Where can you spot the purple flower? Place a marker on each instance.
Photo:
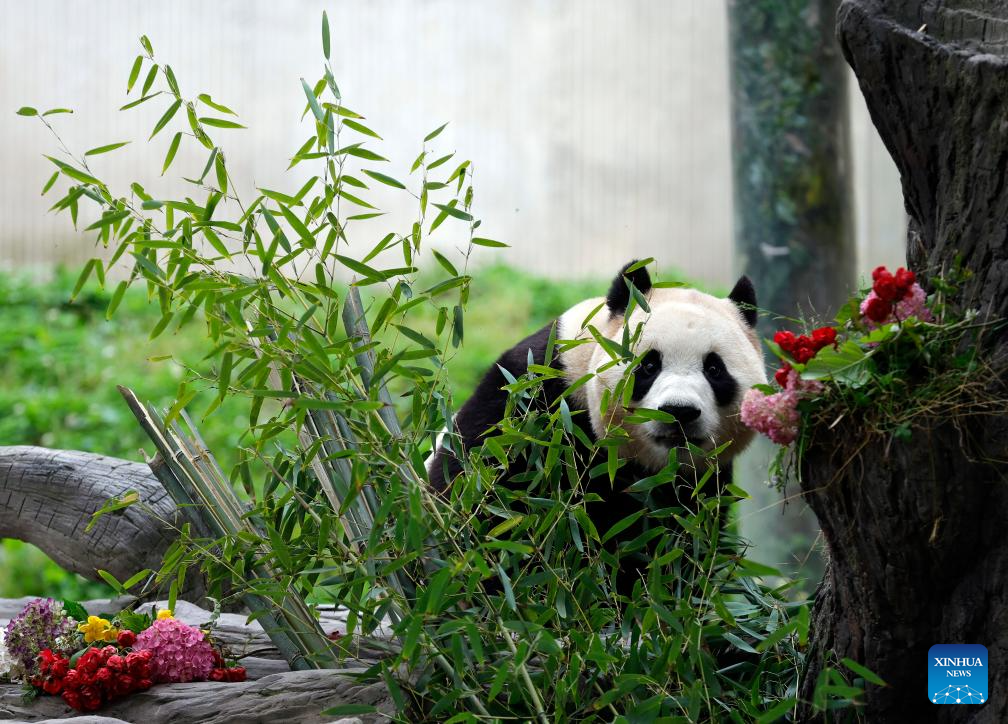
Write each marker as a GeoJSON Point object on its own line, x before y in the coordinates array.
{"type": "Point", "coordinates": [38, 626]}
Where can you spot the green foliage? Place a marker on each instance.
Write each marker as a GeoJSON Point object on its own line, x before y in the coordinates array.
{"type": "Point", "coordinates": [500, 599]}
{"type": "Point", "coordinates": [64, 360]}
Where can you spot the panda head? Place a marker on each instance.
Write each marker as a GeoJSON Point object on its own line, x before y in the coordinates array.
{"type": "Point", "coordinates": [699, 354]}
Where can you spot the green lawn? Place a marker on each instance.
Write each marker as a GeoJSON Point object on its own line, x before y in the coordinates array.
{"type": "Point", "coordinates": [62, 362]}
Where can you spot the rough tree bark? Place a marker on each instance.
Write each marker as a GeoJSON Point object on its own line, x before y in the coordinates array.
{"type": "Point", "coordinates": [47, 498]}
{"type": "Point", "coordinates": [915, 529]}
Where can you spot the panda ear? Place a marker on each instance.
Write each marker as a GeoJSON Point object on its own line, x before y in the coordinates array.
{"type": "Point", "coordinates": [744, 296]}
{"type": "Point", "coordinates": [619, 293]}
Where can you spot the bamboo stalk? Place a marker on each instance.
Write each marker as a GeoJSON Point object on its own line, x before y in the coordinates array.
{"type": "Point", "coordinates": [178, 471]}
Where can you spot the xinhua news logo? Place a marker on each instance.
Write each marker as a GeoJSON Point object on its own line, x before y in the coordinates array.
{"type": "Point", "coordinates": [957, 674]}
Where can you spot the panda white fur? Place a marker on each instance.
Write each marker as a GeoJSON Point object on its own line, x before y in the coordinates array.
{"type": "Point", "coordinates": [700, 355]}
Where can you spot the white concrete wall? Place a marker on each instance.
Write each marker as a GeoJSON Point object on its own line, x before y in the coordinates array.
{"type": "Point", "coordinates": [599, 130]}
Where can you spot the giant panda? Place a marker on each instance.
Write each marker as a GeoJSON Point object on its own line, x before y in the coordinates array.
{"type": "Point", "coordinates": [699, 354]}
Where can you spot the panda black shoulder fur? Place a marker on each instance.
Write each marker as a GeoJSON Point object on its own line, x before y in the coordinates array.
{"type": "Point", "coordinates": [700, 355]}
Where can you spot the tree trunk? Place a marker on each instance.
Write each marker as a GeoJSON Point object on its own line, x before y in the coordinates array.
{"type": "Point", "coordinates": [47, 498]}
{"type": "Point", "coordinates": [915, 529]}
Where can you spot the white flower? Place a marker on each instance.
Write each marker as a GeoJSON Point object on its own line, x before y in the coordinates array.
{"type": "Point", "coordinates": [5, 658]}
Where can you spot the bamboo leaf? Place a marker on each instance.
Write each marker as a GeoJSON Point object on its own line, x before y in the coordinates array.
{"type": "Point", "coordinates": [221, 171]}
{"type": "Point", "coordinates": [108, 219]}
{"type": "Point", "coordinates": [164, 120]}
{"type": "Point", "coordinates": [453, 211]}
{"type": "Point", "coordinates": [325, 51]}
{"type": "Point", "coordinates": [111, 580]}
{"type": "Point", "coordinates": [219, 122]}
{"type": "Point", "coordinates": [207, 100]}
{"type": "Point", "coordinates": [313, 101]}
{"type": "Point", "coordinates": [149, 80]}
{"type": "Point", "coordinates": [82, 278]}
{"type": "Point", "coordinates": [134, 73]}
{"type": "Point", "coordinates": [50, 182]}
{"type": "Point", "coordinates": [435, 133]}
{"type": "Point", "coordinates": [136, 578]}
{"type": "Point", "coordinates": [117, 297]}
{"type": "Point", "coordinates": [138, 101]}
{"type": "Point", "coordinates": [306, 236]}
{"type": "Point", "coordinates": [360, 128]}
{"type": "Point", "coordinates": [863, 671]}
{"type": "Point", "coordinates": [105, 149]}
{"type": "Point", "coordinates": [75, 173]}
{"type": "Point", "coordinates": [360, 152]}
{"type": "Point", "coordinates": [172, 150]}
{"type": "Point", "coordinates": [387, 180]}
{"type": "Point", "coordinates": [480, 241]}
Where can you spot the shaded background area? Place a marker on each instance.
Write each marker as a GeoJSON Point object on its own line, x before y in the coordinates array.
{"type": "Point", "coordinates": [599, 132]}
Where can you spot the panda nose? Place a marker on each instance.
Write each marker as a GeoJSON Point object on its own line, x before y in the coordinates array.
{"type": "Point", "coordinates": [682, 413]}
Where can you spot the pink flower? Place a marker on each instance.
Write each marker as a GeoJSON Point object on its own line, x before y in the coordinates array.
{"type": "Point", "coordinates": [801, 386]}
{"type": "Point", "coordinates": [178, 652]}
{"type": "Point", "coordinates": [776, 416]}
{"type": "Point", "coordinates": [914, 304]}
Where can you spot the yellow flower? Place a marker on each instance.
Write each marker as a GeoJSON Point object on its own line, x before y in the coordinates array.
{"type": "Point", "coordinates": [110, 635]}
{"type": "Point", "coordinates": [164, 613]}
{"type": "Point", "coordinates": [96, 629]}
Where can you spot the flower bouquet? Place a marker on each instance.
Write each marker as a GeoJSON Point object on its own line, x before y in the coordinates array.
{"type": "Point", "coordinates": [56, 648]}
{"type": "Point", "coordinates": [893, 356]}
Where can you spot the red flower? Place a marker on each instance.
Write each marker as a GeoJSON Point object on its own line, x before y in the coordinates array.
{"type": "Point", "coordinates": [89, 661]}
{"type": "Point", "coordinates": [138, 663]}
{"type": "Point", "coordinates": [126, 638]}
{"type": "Point", "coordinates": [103, 678]}
{"type": "Point", "coordinates": [877, 272]}
{"type": "Point", "coordinates": [73, 699]}
{"type": "Point", "coordinates": [144, 684]}
{"type": "Point", "coordinates": [878, 310]}
{"type": "Point", "coordinates": [887, 289]}
{"type": "Point", "coordinates": [91, 698]}
{"type": "Point", "coordinates": [72, 680]}
{"type": "Point", "coordinates": [786, 340]}
{"type": "Point", "coordinates": [46, 658]}
{"type": "Point", "coordinates": [123, 684]}
{"type": "Point", "coordinates": [905, 279]}
{"type": "Point", "coordinates": [804, 354]}
{"type": "Point", "coordinates": [52, 685]}
{"type": "Point", "coordinates": [781, 375]}
{"type": "Point", "coordinates": [823, 337]}
{"type": "Point", "coordinates": [233, 674]}
{"type": "Point", "coordinates": [60, 668]}
{"type": "Point", "coordinates": [117, 663]}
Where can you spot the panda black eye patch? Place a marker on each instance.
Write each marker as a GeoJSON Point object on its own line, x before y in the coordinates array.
{"type": "Point", "coordinates": [646, 373]}
{"type": "Point", "coordinates": [723, 385]}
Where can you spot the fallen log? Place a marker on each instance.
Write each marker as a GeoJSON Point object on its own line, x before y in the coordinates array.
{"type": "Point", "coordinates": [47, 498]}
